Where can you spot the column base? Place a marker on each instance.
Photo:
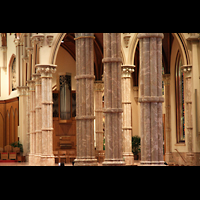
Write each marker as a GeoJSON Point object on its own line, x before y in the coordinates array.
{"type": "Point", "coordinates": [37, 159]}
{"type": "Point", "coordinates": [85, 162]}
{"type": "Point", "coordinates": [113, 162]}
{"type": "Point", "coordinates": [168, 158]}
{"type": "Point", "coordinates": [47, 160]}
{"type": "Point", "coordinates": [32, 159]}
{"type": "Point", "coordinates": [129, 159]}
{"type": "Point", "coordinates": [152, 163]}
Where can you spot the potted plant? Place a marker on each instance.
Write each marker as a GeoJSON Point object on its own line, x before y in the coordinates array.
{"type": "Point", "coordinates": [136, 146]}
{"type": "Point", "coordinates": [17, 144]}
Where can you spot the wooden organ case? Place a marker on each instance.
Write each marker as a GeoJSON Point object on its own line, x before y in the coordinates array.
{"type": "Point", "coordinates": [64, 133]}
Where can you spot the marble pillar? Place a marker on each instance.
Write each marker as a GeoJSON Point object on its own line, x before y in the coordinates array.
{"type": "Point", "coordinates": [187, 69]}
{"type": "Point", "coordinates": [127, 108]}
{"type": "Point", "coordinates": [98, 94]}
{"type": "Point", "coordinates": [31, 85]}
{"type": "Point", "coordinates": [85, 99]}
{"type": "Point", "coordinates": [46, 71]}
{"type": "Point", "coordinates": [38, 119]}
{"type": "Point", "coordinates": [112, 99]}
{"type": "Point", "coordinates": [23, 98]}
{"type": "Point", "coordinates": [168, 153]}
{"type": "Point", "coordinates": [150, 99]}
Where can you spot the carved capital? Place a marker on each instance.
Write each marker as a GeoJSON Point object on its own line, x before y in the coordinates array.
{"type": "Point", "coordinates": [23, 90]}
{"type": "Point", "coordinates": [166, 78]}
{"type": "Point", "coordinates": [38, 39]}
{"type": "Point", "coordinates": [127, 70]}
{"type": "Point", "coordinates": [45, 69]}
{"type": "Point", "coordinates": [187, 69]}
{"type": "Point", "coordinates": [126, 38]}
{"type": "Point", "coordinates": [49, 39]}
{"type": "Point", "coordinates": [99, 86]}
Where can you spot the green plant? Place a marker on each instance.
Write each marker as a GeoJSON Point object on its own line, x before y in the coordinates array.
{"type": "Point", "coordinates": [135, 145]}
{"type": "Point", "coordinates": [17, 144]}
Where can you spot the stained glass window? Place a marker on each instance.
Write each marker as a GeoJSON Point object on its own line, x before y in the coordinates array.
{"type": "Point", "coordinates": [180, 105]}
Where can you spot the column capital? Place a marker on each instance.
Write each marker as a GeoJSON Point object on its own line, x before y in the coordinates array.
{"type": "Point", "coordinates": [150, 35]}
{"type": "Point", "coordinates": [22, 90]}
{"type": "Point", "coordinates": [166, 78]}
{"type": "Point", "coordinates": [46, 69]}
{"type": "Point", "coordinates": [127, 70]}
{"type": "Point", "coordinates": [31, 85]}
{"type": "Point", "coordinates": [99, 86]}
{"type": "Point", "coordinates": [17, 41]}
{"type": "Point", "coordinates": [38, 39]}
{"type": "Point", "coordinates": [187, 69]}
{"type": "Point", "coordinates": [49, 39]}
{"type": "Point", "coordinates": [29, 49]}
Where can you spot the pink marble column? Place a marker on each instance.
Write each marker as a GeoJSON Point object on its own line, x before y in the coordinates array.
{"type": "Point", "coordinates": [85, 99]}
{"type": "Point", "coordinates": [112, 99]}
{"type": "Point", "coordinates": [150, 98]}
{"type": "Point", "coordinates": [31, 85]}
{"type": "Point", "coordinates": [127, 108]}
{"type": "Point", "coordinates": [38, 119]}
{"type": "Point", "coordinates": [46, 71]}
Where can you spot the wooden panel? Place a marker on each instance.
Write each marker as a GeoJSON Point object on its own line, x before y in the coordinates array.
{"type": "Point", "coordinates": [64, 137]}
{"type": "Point", "coordinates": [9, 112]}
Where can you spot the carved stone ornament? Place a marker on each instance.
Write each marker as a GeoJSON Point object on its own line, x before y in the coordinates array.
{"type": "Point", "coordinates": [49, 39]}
{"type": "Point", "coordinates": [126, 38]}
{"type": "Point", "coordinates": [127, 70]}
{"type": "Point", "coordinates": [186, 68]}
{"type": "Point", "coordinates": [45, 68]}
{"type": "Point", "coordinates": [98, 86]}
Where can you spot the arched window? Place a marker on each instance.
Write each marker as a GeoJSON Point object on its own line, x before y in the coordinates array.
{"type": "Point", "coordinates": [12, 70]}
{"type": "Point", "coordinates": [180, 105]}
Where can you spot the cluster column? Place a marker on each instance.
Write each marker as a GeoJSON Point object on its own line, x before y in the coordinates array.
{"type": "Point", "coordinates": [38, 119]}
{"type": "Point", "coordinates": [126, 105]}
{"type": "Point", "coordinates": [150, 98]}
{"type": "Point", "coordinates": [187, 69]}
{"type": "Point", "coordinates": [31, 85]}
{"type": "Point", "coordinates": [46, 71]}
{"type": "Point", "coordinates": [85, 99]}
{"type": "Point", "coordinates": [168, 154]}
{"type": "Point", "coordinates": [112, 99]}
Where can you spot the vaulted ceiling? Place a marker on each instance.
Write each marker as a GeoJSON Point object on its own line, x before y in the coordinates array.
{"type": "Point", "coordinates": [69, 45]}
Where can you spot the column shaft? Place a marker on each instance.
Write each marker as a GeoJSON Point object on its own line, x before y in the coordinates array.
{"type": "Point", "coordinates": [151, 98]}
{"type": "Point", "coordinates": [127, 108]}
{"type": "Point", "coordinates": [31, 90]}
{"type": "Point", "coordinates": [168, 154]}
{"type": "Point", "coordinates": [85, 99]}
{"type": "Point", "coordinates": [112, 99]}
{"type": "Point", "coordinates": [47, 157]}
{"type": "Point", "coordinates": [98, 93]}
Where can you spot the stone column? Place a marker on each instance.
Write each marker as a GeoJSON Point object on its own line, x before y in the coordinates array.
{"type": "Point", "coordinates": [38, 119]}
{"type": "Point", "coordinates": [98, 94]}
{"type": "Point", "coordinates": [187, 69]}
{"type": "Point", "coordinates": [85, 99]}
{"type": "Point", "coordinates": [112, 99]}
{"type": "Point", "coordinates": [17, 43]}
{"type": "Point", "coordinates": [150, 98]}
{"type": "Point", "coordinates": [46, 71]}
{"type": "Point", "coordinates": [31, 85]}
{"type": "Point", "coordinates": [168, 153]}
{"type": "Point", "coordinates": [23, 98]}
{"type": "Point", "coordinates": [126, 105]}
